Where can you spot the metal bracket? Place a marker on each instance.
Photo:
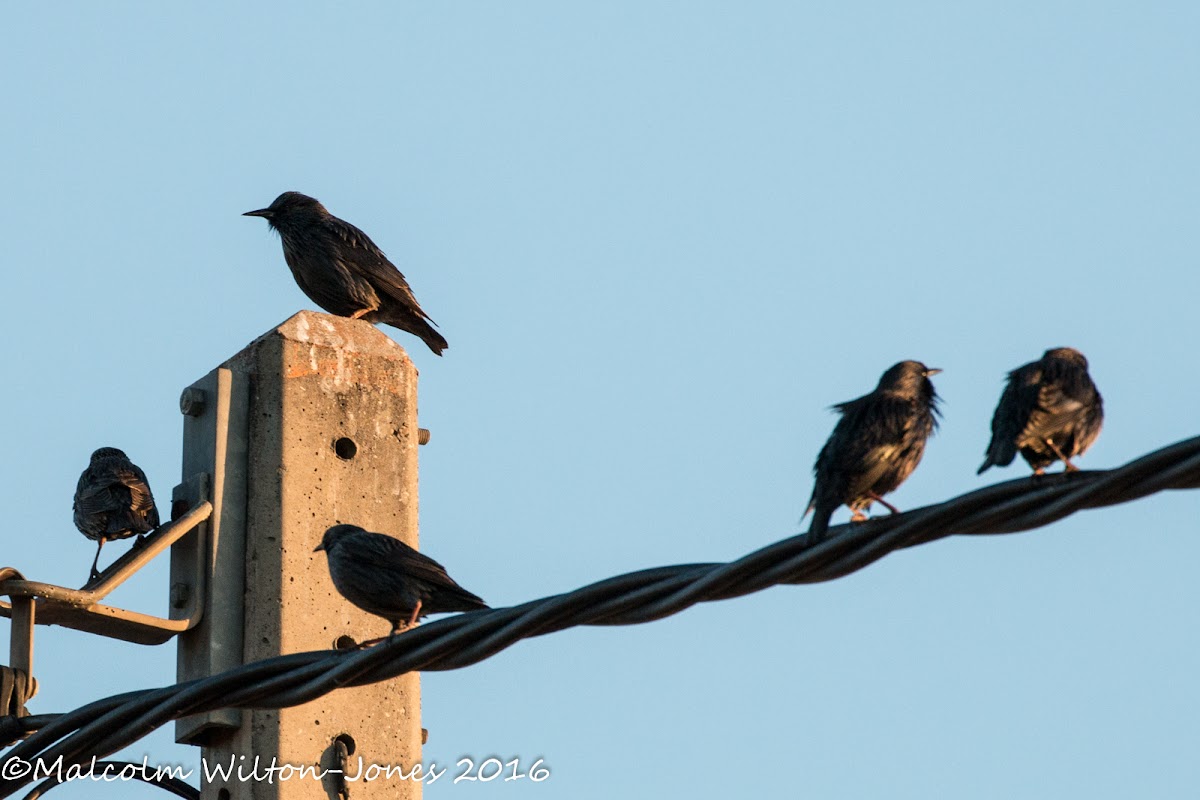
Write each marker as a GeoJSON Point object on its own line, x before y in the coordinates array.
{"type": "Point", "coordinates": [215, 444]}
{"type": "Point", "coordinates": [47, 604]}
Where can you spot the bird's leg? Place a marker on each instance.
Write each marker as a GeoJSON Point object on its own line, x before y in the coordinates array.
{"type": "Point", "coordinates": [397, 627]}
{"type": "Point", "coordinates": [856, 515]}
{"type": "Point", "coordinates": [1040, 471]}
{"type": "Point", "coordinates": [413, 619]}
{"type": "Point", "coordinates": [95, 573]}
{"type": "Point", "coordinates": [885, 503]}
{"type": "Point", "coordinates": [139, 542]}
{"type": "Point", "coordinates": [361, 312]}
{"type": "Point", "coordinates": [1070, 467]}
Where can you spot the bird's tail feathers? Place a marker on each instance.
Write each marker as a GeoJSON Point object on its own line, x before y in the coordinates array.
{"type": "Point", "coordinates": [997, 457]}
{"type": "Point", "coordinates": [820, 524]}
{"type": "Point", "coordinates": [466, 601]}
{"type": "Point", "coordinates": [434, 340]}
{"type": "Point", "coordinates": [418, 326]}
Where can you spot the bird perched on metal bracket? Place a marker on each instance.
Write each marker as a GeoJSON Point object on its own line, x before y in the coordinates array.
{"type": "Point", "coordinates": [875, 446]}
{"type": "Point", "coordinates": [113, 500]}
{"type": "Point", "coordinates": [341, 269]}
{"type": "Point", "coordinates": [1049, 411]}
{"type": "Point", "coordinates": [385, 577]}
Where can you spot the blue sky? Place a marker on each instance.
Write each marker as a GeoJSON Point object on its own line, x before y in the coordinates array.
{"type": "Point", "coordinates": [661, 238]}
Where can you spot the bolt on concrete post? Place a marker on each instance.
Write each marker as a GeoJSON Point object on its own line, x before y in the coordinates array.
{"type": "Point", "coordinates": [327, 411]}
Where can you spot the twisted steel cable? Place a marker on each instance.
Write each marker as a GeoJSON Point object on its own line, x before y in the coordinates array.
{"type": "Point", "coordinates": [107, 725]}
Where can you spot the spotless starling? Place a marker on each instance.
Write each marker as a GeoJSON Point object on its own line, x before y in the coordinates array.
{"type": "Point", "coordinates": [1049, 411]}
{"type": "Point", "coordinates": [385, 577]}
{"type": "Point", "coordinates": [876, 444]}
{"type": "Point", "coordinates": [341, 269]}
{"type": "Point", "coordinates": [113, 500]}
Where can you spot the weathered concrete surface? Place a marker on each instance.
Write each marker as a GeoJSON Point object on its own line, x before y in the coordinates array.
{"type": "Point", "coordinates": [331, 437]}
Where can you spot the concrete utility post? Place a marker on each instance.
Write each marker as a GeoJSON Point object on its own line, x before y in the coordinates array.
{"type": "Point", "coordinates": [314, 423]}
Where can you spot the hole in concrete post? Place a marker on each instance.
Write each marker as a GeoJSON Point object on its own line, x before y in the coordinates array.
{"type": "Point", "coordinates": [334, 759]}
{"type": "Point", "coordinates": [223, 794]}
{"type": "Point", "coordinates": [344, 643]}
{"type": "Point", "coordinates": [345, 448]}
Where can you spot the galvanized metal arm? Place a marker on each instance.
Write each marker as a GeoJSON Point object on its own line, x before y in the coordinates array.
{"type": "Point", "coordinates": [47, 604]}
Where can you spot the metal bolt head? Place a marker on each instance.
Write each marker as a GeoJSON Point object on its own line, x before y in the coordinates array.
{"type": "Point", "coordinates": [192, 401]}
{"type": "Point", "coordinates": [180, 594]}
{"type": "Point", "coordinates": [423, 435]}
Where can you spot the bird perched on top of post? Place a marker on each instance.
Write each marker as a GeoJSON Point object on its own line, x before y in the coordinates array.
{"type": "Point", "coordinates": [341, 269]}
{"type": "Point", "coordinates": [876, 444]}
{"type": "Point", "coordinates": [1049, 411]}
{"type": "Point", "coordinates": [385, 577]}
{"type": "Point", "coordinates": [113, 500]}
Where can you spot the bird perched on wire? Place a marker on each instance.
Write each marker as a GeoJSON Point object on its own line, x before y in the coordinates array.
{"type": "Point", "coordinates": [385, 577]}
{"type": "Point", "coordinates": [113, 500]}
{"type": "Point", "coordinates": [341, 269]}
{"type": "Point", "coordinates": [876, 444]}
{"type": "Point", "coordinates": [1049, 411]}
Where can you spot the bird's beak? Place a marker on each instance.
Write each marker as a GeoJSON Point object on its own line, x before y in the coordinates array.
{"type": "Point", "coordinates": [319, 547]}
{"type": "Point", "coordinates": [262, 212]}
{"type": "Point", "coordinates": [929, 372]}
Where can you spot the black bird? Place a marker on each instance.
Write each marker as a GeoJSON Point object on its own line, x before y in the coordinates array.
{"type": "Point", "coordinates": [1049, 411]}
{"type": "Point", "coordinates": [341, 269]}
{"type": "Point", "coordinates": [113, 500]}
{"type": "Point", "coordinates": [876, 444]}
{"type": "Point", "coordinates": [385, 577]}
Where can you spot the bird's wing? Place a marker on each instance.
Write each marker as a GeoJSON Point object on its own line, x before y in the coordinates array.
{"type": "Point", "coordinates": [93, 504]}
{"type": "Point", "coordinates": [821, 472]}
{"type": "Point", "coordinates": [1055, 411]}
{"type": "Point", "coordinates": [1090, 427]}
{"type": "Point", "coordinates": [381, 272]}
{"type": "Point", "coordinates": [118, 494]}
{"type": "Point", "coordinates": [829, 468]}
{"type": "Point", "coordinates": [141, 499]}
{"type": "Point", "coordinates": [424, 569]}
{"type": "Point", "coordinates": [93, 500]}
{"type": "Point", "coordinates": [81, 493]}
{"type": "Point", "coordinates": [1018, 402]}
{"type": "Point", "coordinates": [886, 430]}
{"type": "Point", "coordinates": [414, 564]}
